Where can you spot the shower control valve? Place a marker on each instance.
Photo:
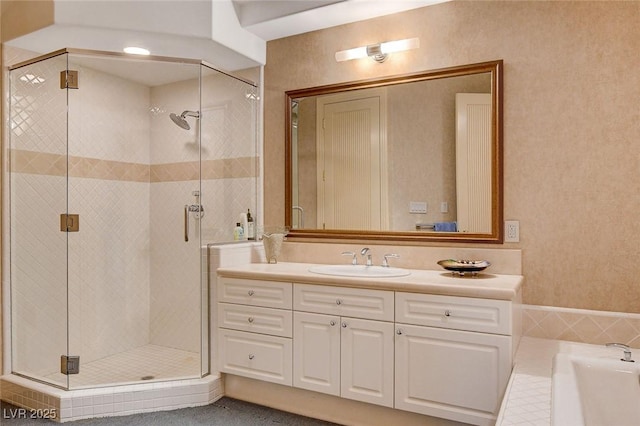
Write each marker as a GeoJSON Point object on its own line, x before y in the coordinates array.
{"type": "Point", "coordinates": [197, 209]}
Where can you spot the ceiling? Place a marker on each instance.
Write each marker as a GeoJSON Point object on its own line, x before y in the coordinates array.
{"type": "Point", "coordinates": [215, 31]}
{"type": "Point", "coordinates": [273, 19]}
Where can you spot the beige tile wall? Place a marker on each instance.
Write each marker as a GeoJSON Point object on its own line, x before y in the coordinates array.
{"type": "Point", "coordinates": [580, 325]}
{"type": "Point", "coordinates": [571, 126]}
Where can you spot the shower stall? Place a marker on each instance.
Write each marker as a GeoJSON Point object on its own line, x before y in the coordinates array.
{"type": "Point", "coordinates": [109, 207]}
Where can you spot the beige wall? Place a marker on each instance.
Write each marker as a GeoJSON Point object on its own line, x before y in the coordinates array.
{"type": "Point", "coordinates": [571, 126]}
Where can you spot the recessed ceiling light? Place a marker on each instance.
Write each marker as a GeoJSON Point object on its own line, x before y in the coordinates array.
{"type": "Point", "coordinates": [136, 50]}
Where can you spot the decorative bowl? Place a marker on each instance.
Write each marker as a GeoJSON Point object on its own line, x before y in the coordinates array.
{"type": "Point", "coordinates": [463, 266]}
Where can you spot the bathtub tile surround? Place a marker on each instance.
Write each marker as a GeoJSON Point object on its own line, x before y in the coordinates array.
{"type": "Point", "coordinates": [110, 401]}
{"type": "Point", "coordinates": [579, 325]}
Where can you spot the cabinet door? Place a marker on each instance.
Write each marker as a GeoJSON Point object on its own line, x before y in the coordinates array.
{"type": "Point", "coordinates": [367, 361]}
{"type": "Point", "coordinates": [316, 352]}
{"type": "Point", "coordinates": [452, 374]}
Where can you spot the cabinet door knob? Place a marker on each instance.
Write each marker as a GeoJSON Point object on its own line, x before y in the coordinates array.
{"type": "Point", "coordinates": [332, 323]}
{"type": "Point", "coordinates": [250, 319]}
{"type": "Point", "coordinates": [399, 332]}
{"type": "Point", "coordinates": [344, 325]}
{"type": "Point", "coordinates": [338, 302]}
{"type": "Point", "coordinates": [251, 356]}
{"type": "Point", "coordinates": [447, 313]}
{"type": "Point", "coordinates": [250, 293]}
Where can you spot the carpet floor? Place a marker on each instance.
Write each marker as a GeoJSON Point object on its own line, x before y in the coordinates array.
{"type": "Point", "coordinates": [224, 412]}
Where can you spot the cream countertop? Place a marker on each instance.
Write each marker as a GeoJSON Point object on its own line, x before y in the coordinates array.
{"type": "Point", "coordinates": [485, 285]}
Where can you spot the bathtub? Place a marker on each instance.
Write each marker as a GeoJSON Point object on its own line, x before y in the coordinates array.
{"type": "Point", "coordinates": [595, 391]}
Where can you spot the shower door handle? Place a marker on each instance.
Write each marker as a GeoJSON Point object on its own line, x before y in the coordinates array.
{"type": "Point", "coordinates": [186, 223]}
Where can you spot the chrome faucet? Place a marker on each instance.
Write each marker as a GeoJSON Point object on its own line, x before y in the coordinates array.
{"type": "Point", "coordinates": [365, 252]}
{"type": "Point", "coordinates": [627, 351]}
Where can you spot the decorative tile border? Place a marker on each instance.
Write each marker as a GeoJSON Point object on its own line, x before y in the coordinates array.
{"type": "Point", "coordinates": [43, 163]}
{"type": "Point", "coordinates": [579, 325]}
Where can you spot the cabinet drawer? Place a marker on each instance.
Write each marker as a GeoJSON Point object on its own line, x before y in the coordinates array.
{"type": "Point", "coordinates": [277, 322]}
{"type": "Point", "coordinates": [269, 294]}
{"type": "Point", "coordinates": [352, 302]}
{"type": "Point", "coordinates": [460, 313]}
{"type": "Point", "coordinates": [255, 355]}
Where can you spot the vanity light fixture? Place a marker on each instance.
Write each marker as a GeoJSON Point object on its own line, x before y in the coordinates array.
{"type": "Point", "coordinates": [378, 52]}
{"type": "Point", "coordinates": [133, 50]}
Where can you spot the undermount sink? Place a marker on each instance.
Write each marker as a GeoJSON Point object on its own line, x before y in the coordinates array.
{"type": "Point", "coordinates": [359, 271]}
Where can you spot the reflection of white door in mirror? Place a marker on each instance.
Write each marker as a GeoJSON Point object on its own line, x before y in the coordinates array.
{"type": "Point", "coordinates": [352, 161]}
{"type": "Point", "coordinates": [473, 162]}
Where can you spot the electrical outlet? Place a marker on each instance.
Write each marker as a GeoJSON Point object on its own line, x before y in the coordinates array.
{"type": "Point", "coordinates": [512, 231]}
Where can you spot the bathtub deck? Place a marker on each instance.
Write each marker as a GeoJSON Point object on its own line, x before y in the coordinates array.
{"type": "Point", "coordinates": [527, 401]}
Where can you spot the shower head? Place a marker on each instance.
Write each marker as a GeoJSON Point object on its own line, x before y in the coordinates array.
{"type": "Point", "coordinates": [180, 119]}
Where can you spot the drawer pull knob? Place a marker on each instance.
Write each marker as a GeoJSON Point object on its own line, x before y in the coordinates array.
{"type": "Point", "coordinates": [251, 293]}
{"type": "Point", "coordinates": [344, 325]}
{"type": "Point", "coordinates": [399, 332]}
{"type": "Point", "coordinates": [251, 356]}
{"type": "Point", "coordinates": [447, 313]}
{"type": "Point", "coordinates": [338, 302]}
{"type": "Point", "coordinates": [250, 320]}
{"type": "Point", "coordinates": [332, 323]}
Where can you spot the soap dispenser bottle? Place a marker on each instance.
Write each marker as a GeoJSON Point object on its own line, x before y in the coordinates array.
{"type": "Point", "coordinates": [238, 232]}
{"type": "Point", "coordinates": [251, 227]}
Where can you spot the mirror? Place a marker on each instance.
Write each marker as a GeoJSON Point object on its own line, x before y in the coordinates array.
{"type": "Point", "coordinates": [407, 158]}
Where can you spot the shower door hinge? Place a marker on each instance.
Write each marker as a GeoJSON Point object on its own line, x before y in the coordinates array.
{"type": "Point", "coordinates": [69, 364]}
{"type": "Point", "coordinates": [69, 222]}
{"type": "Point", "coordinates": [68, 79]}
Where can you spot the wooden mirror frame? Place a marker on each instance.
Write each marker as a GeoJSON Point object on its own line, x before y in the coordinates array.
{"type": "Point", "coordinates": [495, 237]}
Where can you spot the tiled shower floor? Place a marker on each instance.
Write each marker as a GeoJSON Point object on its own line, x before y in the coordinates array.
{"type": "Point", "coordinates": [148, 363]}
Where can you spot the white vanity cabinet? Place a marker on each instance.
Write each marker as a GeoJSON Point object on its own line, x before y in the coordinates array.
{"type": "Point", "coordinates": [438, 355]}
{"type": "Point", "coordinates": [255, 329]}
{"type": "Point", "coordinates": [343, 342]}
{"type": "Point", "coordinates": [453, 356]}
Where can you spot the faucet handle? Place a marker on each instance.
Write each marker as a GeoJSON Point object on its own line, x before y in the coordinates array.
{"type": "Point", "coordinates": [354, 260]}
{"type": "Point", "coordinates": [366, 252]}
{"type": "Point", "coordinates": [627, 350]}
{"type": "Point", "coordinates": [385, 262]}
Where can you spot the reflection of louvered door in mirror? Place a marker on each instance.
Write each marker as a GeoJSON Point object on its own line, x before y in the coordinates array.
{"type": "Point", "coordinates": [473, 162]}
{"type": "Point", "coordinates": [351, 163]}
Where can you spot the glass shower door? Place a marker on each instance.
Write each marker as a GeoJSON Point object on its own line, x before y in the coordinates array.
{"type": "Point", "coordinates": [38, 209]}
{"type": "Point", "coordinates": [134, 264]}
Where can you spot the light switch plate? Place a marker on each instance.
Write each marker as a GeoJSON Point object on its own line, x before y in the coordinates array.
{"type": "Point", "coordinates": [417, 206]}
